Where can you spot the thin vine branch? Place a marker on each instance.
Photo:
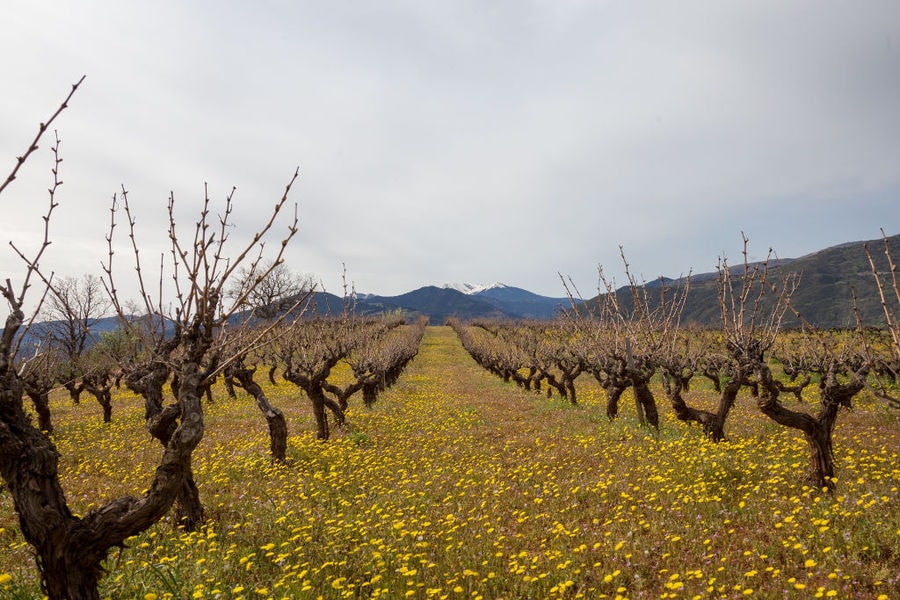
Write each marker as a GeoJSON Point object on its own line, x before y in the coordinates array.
{"type": "Point", "coordinates": [42, 128]}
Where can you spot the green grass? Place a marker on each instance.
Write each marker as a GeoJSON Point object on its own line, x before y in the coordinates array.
{"type": "Point", "coordinates": [457, 485]}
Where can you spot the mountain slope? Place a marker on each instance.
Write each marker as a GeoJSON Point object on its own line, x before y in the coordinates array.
{"type": "Point", "coordinates": [823, 296]}
{"type": "Point", "coordinates": [521, 302]}
{"type": "Point", "coordinates": [437, 303]}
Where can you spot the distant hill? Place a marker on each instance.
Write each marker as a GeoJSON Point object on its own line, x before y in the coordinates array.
{"type": "Point", "coordinates": [434, 302]}
{"type": "Point", "coordinates": [823, 296]}
{"type": "Point", "coordinates": [521, 303]}
{"type": "Point", "coordinates": [829, 276]}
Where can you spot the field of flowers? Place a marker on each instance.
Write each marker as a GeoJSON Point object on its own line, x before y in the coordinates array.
{"type": "Point", "coordinates": [457, 485]}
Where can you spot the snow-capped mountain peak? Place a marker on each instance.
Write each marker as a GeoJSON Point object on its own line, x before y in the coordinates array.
{"type": "Point", "coordinates": [469, 288]}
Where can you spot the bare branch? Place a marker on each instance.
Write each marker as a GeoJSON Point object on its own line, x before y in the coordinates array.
{"type": "Point", "coordinates": [889, 318]}
{"type": "Point", "coordinates": [42, 128]}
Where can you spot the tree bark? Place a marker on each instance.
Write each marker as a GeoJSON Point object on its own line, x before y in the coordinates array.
{"type": "Point", "coordinates": [99, 386]}
{"type": "Point", "coordinates": [229, 386]}
{"type": "Point", "coordinates": [821, 461]}
{"type": "Point", "coordinates": [104, 398]}
{"type": "Point", "coordinates": [189, 513]}
{"type": "Point", "coordinates": [162, 422]}
{"type": "Point", "coordinates": [646, 402]}
{"type": "Point", "coordinates": [611, 378]}
{"type": "Point", "coordinates": [314, 385]}
{"type": "Point", "coordinates": [317, 397]}
{"type": "Point", "coordinates": [74, 390]}
{"type": "Point", "coordinates": [274, 417]}
{"type": "Point", "coordinates": [40, 397]}
{"type": "Point", "coordinates": [29, 464]}
{"type": "Point", "coordinates": [816, 430]}
{"type": "Point", "coordinates": [370, 394]}
{"type": "Point", "coordinates": [553, 383]}
{"type": "Point", "coordinates": [796, 389]}
{"type": "Point", "coordinates": [726, 402]}
{"type": "Point", "coordinates": [148, 381]}
{"type": "Point", "coordinates": [672, 384]}
{"type": "Point", "coordinates": [343, 395]}
{"type": "Point", "coordinates": [70, 550]}
{"type": "Point", "coordinates": [569, 374]}
{"type": "Point", "coordinates": [614, 390]}
{"type": "Point", "coordinates": [336, 410]}
{"type": "Point", "coordinates": [713, 423]}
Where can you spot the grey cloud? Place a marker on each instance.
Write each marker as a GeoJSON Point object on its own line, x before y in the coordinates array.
{"type": "Point", "coordinates": [450, 141]}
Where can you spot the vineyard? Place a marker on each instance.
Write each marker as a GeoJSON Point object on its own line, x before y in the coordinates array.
{"type": "Point", "coordinates": [225, 439]}
{"type": "Point", "coordinates": [456, 484]}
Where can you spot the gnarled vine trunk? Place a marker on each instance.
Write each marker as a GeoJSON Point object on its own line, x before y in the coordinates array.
{"type": "Point", "coordinates": [149, 381]}
{"type": "Point", "coordinates": [74, 388]}
{"type": "Point", "coordinates": [243, 376]}
{"type": "Point", "coordinates": [713, 423]}
{"type": "Point", "coordinates": [70, 550]}
{"type": "Point", "coordinates": [40, 397]}
{"type": "Point", "coordinates": [99, 386]}
{"type": "Point", "coordinates": [645, 402]}
{"type": "Point", "coordinates": [614, 386]}
{"type": "Point", "coordinates": [816, 430]}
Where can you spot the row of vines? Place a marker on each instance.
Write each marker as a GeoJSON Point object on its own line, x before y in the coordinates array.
{"type": "Point", "coordinates": [222, 309]}
{"type": "Point", "coordinates": [625, 339]}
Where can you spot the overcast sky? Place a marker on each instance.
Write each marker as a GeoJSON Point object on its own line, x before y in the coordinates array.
{"type": "Point", "coordinates": [474, 141]}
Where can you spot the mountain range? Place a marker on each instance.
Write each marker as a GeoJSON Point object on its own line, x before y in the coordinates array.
{"type": "Point", "coordinates": [465, 301]}
{"type": "Point", "coordinates": [824, 295]}
{"type": "Point", "coordinates": [827, 281]}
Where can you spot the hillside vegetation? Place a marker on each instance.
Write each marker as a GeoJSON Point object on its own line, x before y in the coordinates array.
{"type": "Point", "coordinates": [457, 485]}
{"type": "Point", "coordinates": [824, 295]}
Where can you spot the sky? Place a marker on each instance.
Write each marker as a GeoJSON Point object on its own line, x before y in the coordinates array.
{"type": "Point", "coordinates": [457, 141]}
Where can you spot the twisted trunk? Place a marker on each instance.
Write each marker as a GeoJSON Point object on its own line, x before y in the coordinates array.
{"type": "Point", "coordinates": [567, 379]}
{"type": "Point", "coordinates": [40, 397]}
{"type": "Point", "coordinates": [99, 386]}
{"type": "Point", "coordinates": [343, 394]}
{"type": "Point", "coordinates": [314, 385]}
{"type": "Point", "coordinates": [370, 394]}
{"type": "Point", "coordinates": [317, 398]}
{"type": "Point", "coordinates": [337, 411]}
{"type": "Point", "coordinates": [726, 402]}
{"type": "Point", "coordinates": [70, 550]}
{"type": "Point", "coordinates": [148, 381]}
{"type": "Point", "coordinates": [613, 393]}
{"type": "Point", "coordinates": [673, 386]}
{"type": "Point", "coordinates": [74, 390]}
{"type": "Point", "coordinates": [553, 383]}
{"type": "Point", "coordinates": [229, 382]}
{"type": "Point", "coordinates": [816, 430]}
{"type": "Point", "coordinates": [818, 438]}
{"type": "Point", "coordinates": [314, 388]}
{"type": "Point", "coordinates": [713, 423]}
{"type": "Point", "coordinates": [162, 422]}
{"type": "Point", "coordinates": [614, 387]}
{"type": "Point", "coordinates": [104, 398]}
{"type": "Point", "coordinates": [243, 376]}
{"type": "Point", "coordinates": [713, 375]}
{"type": "Point", "coordinates": [796, 389]}
{"type": "Point", "coordinates": [645, 401]}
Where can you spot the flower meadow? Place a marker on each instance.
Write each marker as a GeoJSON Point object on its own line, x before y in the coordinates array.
{"type": "Point", "coordinates": [457, 485]}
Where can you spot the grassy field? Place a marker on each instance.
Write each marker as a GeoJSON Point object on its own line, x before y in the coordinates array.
{"type": "Point", "coordinates": [457, 485]}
